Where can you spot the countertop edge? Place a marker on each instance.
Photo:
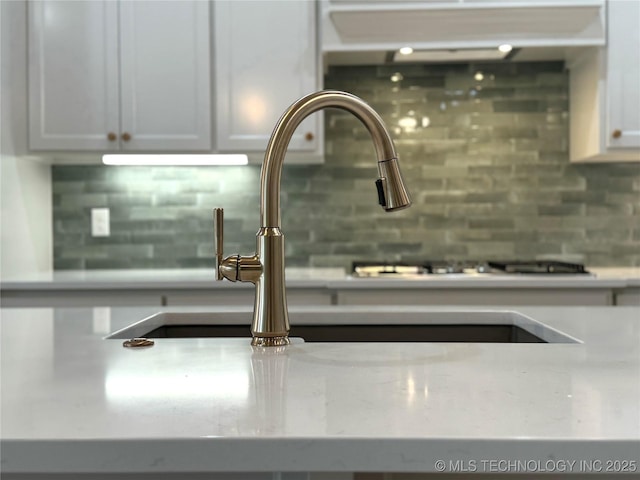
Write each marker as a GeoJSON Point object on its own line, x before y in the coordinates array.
{"type": "Point", "coordinates": [311, 454]}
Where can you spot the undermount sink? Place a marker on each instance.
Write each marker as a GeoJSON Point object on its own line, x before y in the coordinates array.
{"type": "Point", "coordinates": [364, 333]}
{"type": "Point", "coordinates": [357, 324]}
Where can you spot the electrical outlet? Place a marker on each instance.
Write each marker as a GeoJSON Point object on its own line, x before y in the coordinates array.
{"type": "Point", "coordinates": [100, 222]}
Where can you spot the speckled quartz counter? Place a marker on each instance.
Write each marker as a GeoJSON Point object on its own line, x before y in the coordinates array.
{"type": "Point", "coordinates": [304, 278]}
{"type": "Point", "coordinates": [154, 278]}
{"type": "Point", "coordinates": [75, 402]}
{"type": "Point", "coordinates": [608, 286]}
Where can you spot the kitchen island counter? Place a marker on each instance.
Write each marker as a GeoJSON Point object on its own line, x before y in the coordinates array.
{"type": "Point", "coordinates": [75, 402]}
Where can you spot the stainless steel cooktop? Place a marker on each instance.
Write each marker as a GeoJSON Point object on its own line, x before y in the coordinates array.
{"type": "Point", "coordinates": [467, 267]}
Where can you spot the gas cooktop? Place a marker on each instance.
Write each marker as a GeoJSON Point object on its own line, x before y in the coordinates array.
{"type": "Point", "coordinates": [445, 267]}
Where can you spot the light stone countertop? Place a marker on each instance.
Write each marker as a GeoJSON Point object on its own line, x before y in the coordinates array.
{"type": "Point", "coordinates": [73, 401]}
{"type": "Point", "coordinates": [154, 278]}
{"type": "Point", "coordinates": [631, 275]}
{"type": "Point", "coordinates": [330, 278]}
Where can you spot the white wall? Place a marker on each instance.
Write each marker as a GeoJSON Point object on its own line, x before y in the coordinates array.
{"type": "Point", "coordinates": [25, 184]}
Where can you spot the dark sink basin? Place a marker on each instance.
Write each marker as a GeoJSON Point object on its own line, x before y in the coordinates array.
{"type": "Point", "coordinates": [364, 333]}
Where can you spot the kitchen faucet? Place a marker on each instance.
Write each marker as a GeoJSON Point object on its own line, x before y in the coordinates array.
{"type": "Point", "coordinates": [265, 269]}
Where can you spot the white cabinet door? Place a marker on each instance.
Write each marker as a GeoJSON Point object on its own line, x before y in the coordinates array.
{"type": "Point", "coordinates": [265, 60]}
{"type": "Point", "coordinates": [73, 75]}
{"type": "Point", "coordinates": [165, 88]}
{"type": "Point", "coordinates": [604, 92]}
{"type": "Point", "coordinates": [112, 76]}
{"type": "Point", "coordinates": [623, 75]}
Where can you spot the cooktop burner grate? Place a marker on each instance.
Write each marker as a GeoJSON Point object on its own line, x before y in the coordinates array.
{"type": "Point", "coordinates": [542, 266]}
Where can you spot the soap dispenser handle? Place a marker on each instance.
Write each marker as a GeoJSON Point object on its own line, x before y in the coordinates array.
{"type": "Point", "coordinates": [218, 227]}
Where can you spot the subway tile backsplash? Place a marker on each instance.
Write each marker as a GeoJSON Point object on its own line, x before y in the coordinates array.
{"type": "Point", "coordinates": [483, 148]}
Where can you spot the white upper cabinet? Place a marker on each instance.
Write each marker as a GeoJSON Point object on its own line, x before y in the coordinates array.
{"type": "Point", "coordinates": [605, 92]}
{"type": "Point", "coordinates": [623, 76]}
{"type": "Point", "coordinates": [111, 76]}
{"type": "Point", "coordinates": [265, 59]}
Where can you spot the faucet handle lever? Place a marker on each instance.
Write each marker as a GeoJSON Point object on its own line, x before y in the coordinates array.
{"type": "Point", "coordinates": [218, 227]}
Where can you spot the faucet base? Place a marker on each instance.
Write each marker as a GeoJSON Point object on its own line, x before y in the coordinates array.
{"type": "Point", "coordinates": [269, 341]}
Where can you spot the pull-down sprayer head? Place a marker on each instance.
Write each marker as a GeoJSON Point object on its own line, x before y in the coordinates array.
{"type": "Point", "coordinates": [392, 194]}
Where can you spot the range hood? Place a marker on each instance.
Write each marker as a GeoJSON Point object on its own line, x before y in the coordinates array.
{"type": "Point", "coordinates": [383, 26]}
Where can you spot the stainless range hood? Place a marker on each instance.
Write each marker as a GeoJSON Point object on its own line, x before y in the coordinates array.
{"type": "Point", "coordinates": [383, 26]}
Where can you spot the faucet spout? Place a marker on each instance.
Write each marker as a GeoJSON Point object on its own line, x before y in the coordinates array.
{"type": "Point", "coordinates": [270, 326]}
{"type": "Point", "coordinates": [395, 194]}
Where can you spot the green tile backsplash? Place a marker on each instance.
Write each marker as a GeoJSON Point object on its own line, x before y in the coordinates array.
{"type": "Point", "coordinates": [483, 148]}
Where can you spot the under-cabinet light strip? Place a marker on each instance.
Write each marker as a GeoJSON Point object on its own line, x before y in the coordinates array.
{"type": "Point", "coordinates": [231, 159]}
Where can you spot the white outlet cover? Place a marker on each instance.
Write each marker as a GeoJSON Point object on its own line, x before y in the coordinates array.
{"type": "Point", "coordinates": [100, 226]}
